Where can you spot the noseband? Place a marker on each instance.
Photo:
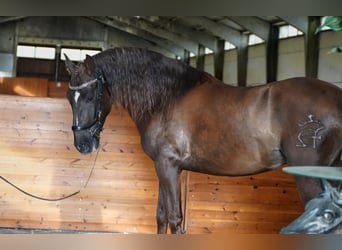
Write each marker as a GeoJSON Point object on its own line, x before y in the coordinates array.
{"type": "Point", "coordinates": [98, 113]}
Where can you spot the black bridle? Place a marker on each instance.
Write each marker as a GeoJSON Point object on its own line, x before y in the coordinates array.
{"type": "Point", "coordinates": [98, 113]}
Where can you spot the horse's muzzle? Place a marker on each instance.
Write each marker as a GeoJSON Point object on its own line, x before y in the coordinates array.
{"type": "Point", "coordinates": [83, 148]}
{"type": "Point", "coordinates": [86, 144]}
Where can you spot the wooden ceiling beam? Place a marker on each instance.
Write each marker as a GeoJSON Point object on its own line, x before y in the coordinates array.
{"type": "Point", "coordinates": [300, 22]}
{"type": "Point", "coordinates": [157, 31]}
{"type": "Point", "coordinates": [118, 38]}
{"type": "Point", "coordinates": [217, 29]}
{"type": "Point", "coordinates": [10, 18]}
{"type": "Point", "coordinates": [180, 29]}
{"type": "Point", "coordinates": [254, 25]}
{"type": "Point", "coordinates": [163, 43]}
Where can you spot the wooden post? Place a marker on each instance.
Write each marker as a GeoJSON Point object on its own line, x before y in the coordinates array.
{"type": "Point", "coordinates": [186, 57]}
{"type": "Point", "coordinates": [200, 57]}
{"type": "Point", "coordinates": [312, 47]}
{"type": "Point", "coordinates": [242, 51]}
{"type": "Point", "coordinates": [219, 59]}
{"type": "Point", "coordinates": [57, 61]}
{"type": "Point", "coordinates": [272, 54]}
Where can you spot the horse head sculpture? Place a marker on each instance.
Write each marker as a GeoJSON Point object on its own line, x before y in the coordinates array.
{"type": "Point", "coordinates": [322, 215]}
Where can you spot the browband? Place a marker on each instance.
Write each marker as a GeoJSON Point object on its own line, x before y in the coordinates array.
{"type": "Point", "coordinates": [83, 85]}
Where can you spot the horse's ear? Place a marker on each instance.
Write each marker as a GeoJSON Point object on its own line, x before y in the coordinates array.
{"type": "Point", "coordinates": [70, 66]}
{"type": "Point", "coordinates": [89, 65]}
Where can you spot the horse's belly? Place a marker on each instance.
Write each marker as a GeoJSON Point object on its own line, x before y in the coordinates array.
{"type": "Point", "coordinates": [235, 164]}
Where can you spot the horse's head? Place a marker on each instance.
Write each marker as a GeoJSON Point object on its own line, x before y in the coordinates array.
{"type": "Point", "coordinates": [90, 103]}
{"type": "Point", "coordinates": [322, 214]}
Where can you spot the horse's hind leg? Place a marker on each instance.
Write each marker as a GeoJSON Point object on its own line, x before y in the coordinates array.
{"type": "Point", "coordinates": [310, 187]}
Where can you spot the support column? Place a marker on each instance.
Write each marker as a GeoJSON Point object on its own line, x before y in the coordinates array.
{"type": "Point", "coordinates": [272, 54]}
{"type": "Point", "coordinates": [186, 57]}
{"type": "Point", "coordinates": [200, 57]}
{"type": "Point", "coordinates": [312, 47]}
{"type": "Point", "coordinates": [242, 59]}
{"type": "Point", "coordinates": [219, 59]}
{"type": "Point", "coordinates": [57, 61]}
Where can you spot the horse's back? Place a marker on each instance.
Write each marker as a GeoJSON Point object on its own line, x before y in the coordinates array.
{"type": "Point", "coordinates": [224, 130]}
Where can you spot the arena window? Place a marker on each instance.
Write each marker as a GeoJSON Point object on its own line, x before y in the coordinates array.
{"type": "Point", "coordinates": [77, 54]}
{"type": "Point", "coordinates": [208, 51]}
{"type": "Point", "coordinates": [228, 46]}
{"type": "Point", "coordinates": [254, 39]}
{"type": "Point", "coordinates": [286, 31]}
{"type": "Point", "coordinates": [36, 52]}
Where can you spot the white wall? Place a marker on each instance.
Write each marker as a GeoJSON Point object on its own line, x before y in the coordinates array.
{"type": "Point", "coordinates": [230, 67]}
{"type": "Point", "coordinates": [7, 49]}
{"type": "Point", "coordinates": [291, 61]}
{"type": "Point", "coordinates": [330, 65]}
{"type": "Point", "coordinates": [256, 65]}
{"type": "Point", "coordinates": [209, 64]}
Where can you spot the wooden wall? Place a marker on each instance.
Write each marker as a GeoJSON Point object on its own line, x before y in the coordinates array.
{"type": "Point", "coordinates": [57, 89]}
{"type": "Point", "coordinates": [24, 86]}
{"type": "Point", "coordinates": [262, 203]}
{"type": "Point", "coordinates": [31, 86]}
{"type": "Point", "coordinates": [37, 154]}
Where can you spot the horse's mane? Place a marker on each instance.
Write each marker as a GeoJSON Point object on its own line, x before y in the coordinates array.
{"type": "Point", "coordinates": [145, 82]}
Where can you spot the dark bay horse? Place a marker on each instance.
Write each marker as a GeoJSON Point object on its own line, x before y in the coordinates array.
{"type": "Point", "coordinates": [189, 120]}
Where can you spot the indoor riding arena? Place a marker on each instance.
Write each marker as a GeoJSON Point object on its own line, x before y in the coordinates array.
{"type": "Point", "coordinates": [48, 186]}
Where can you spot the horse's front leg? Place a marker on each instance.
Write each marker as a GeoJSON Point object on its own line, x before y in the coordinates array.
{"type": "Point", "coordinates": [162, 221]}
{"type": "Point", "coordinates": [170, 193]}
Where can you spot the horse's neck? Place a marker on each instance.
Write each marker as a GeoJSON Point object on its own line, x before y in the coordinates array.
{"type": "Point", "coordinates": [144, 93]}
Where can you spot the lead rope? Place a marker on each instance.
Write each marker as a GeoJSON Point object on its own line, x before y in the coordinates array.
{"type": "Point", "coordinates": [55, 199]}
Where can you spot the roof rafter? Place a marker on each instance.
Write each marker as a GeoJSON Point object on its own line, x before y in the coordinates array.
{"type": "Point", "coordinates": [253, 24]}
{"type": "Point", "coordinates": [217, 29]}
{"type": "Point", "coordinates": [300, 22]}
{"type": "Point", "coordinates": [163, 43]}
{"type": "Point", "coordinates": [144, 25]}
{"type": "Point", "coordinates": [10, 18]}
{"type": "Point", "coordinates": [177, 27]}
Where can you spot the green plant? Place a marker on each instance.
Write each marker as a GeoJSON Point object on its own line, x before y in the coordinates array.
{"type": "Point", "coordinates": [334, 23]}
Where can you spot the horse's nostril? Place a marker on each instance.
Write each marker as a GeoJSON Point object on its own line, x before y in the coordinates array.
{"type": "Point", "coordinates": [83, 148]}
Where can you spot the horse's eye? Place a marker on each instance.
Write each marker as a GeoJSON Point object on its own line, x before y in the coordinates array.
{"type": "Point", "coordinates": [90, 98]}
{"type": "Point", "coordinates": [328, 216]}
